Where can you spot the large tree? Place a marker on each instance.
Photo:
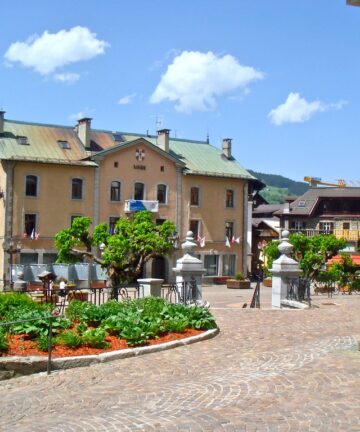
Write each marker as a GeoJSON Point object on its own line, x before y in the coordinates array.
{"type": "Point", "coordinates": [122, 253]}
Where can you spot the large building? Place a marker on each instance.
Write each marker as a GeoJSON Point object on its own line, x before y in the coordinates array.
{"type": "Point", "coordinates": [50, 174]}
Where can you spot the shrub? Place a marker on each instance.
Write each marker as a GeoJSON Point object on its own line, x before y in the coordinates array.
{"type": "Point", "coordinates": [69, 338]}
{"type": "Point", "coordinates": [239, 276]}
{"type": "Point", "coordinates": [42, 342]}
{"type": "Point", "coordinates": [95, 338]}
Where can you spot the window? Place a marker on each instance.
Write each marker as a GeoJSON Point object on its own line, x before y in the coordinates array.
{"type": "Point", "coordinates": [31, 185]}
{"type": "Point", "coordinates": [162, 168]}
{"type": "Point", "coordinates": [112, 223]}
{"type": "Point", "coordinates": [194, 226]}
{"type": "Point", "coordinates": [346, 225]}
{"type": "Point", "coordinates": [139, 191]}
{"type": "Point", "coordinates": [29, 224]}
{"type": "Point", "coordinates": [22, 140]}
{"type": "Point", "coordinates": [229, 198]}
{"type": "Point", "coordinates": [116, 164]}
{"type": "Point", "coordinates": [49, 258]}
{"type": "Point", "coordinates": [302, 204]}
{"type": "Point", "coordinates": [194, 196]}
{"type": "Point", "coordinates": [161, 194]}
{"type": "Point", "coordinates": [228, 265]}
{"type": "Point", "coordinates": [211, 263]}
{"type": "Point", "coordinates": [77, 188]}
{"type": "Point", "coordinates": [159, 221]}
{"type": "Point", "coordinates": [29, 258]}
{"type": "Point", "coordinates": [229, 230]}
{"type": "Point", "coordinates": [115, 191]}
{"type": "Point", "coordinates": [64, 144]}
{"type": "Point", "coordinates": [298, 225]}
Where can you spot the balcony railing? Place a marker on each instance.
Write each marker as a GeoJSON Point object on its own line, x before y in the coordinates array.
{"type": "Point", "coordinates": [352, 235]}
{"type": "Point", "coordinates": [138, 205]}
{"type": "Point", "coordinates": [347, 234]}
{"type": "Point", "coordinates": [311, 232]}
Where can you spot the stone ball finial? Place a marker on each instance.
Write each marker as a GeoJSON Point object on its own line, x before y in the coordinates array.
{"type": "Point", "coordinates": [285, 234]}
{"type": "Point", "coordinates": [189, 244]}
{"type": "Point", "coordinates": [285, 247]}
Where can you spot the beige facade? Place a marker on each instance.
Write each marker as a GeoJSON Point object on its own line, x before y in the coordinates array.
{"type": "Point", "coordinates": [64, 172]}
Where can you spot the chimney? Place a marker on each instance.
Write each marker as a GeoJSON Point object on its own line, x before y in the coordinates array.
{"type": "Point", "coordinates": [2, 121]}
{"type": "Point", "coordinates": [83, 130]}
{"type": "Point", "coordinates": [163, 139]}
{"type": "Point", "coordinates": [226, 147]}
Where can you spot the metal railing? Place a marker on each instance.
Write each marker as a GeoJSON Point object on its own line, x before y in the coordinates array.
{"type": "Point", "coordinates": [298, 289]}
{"type": "Point", "coordinates": [50, 334]}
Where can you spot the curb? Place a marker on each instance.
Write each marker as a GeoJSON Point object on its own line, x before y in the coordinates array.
{"type": "Point", "coordinates": [18, 365]}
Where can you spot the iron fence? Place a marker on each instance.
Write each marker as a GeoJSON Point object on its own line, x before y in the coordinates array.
{"type": "Point", "coordinates": [298, 289]}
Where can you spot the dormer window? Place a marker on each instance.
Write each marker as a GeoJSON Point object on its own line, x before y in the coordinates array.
{"type": "Point", "coordinates": [64, 144]}
{"type": "Point", "coordinates": [301, 203]}
{"type": "Point", "coordinates": [23, 140]}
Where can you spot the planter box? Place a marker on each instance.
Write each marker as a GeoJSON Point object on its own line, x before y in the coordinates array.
{"type": "Point", "coordinates": [235, 284]}
{"type": "Point", "coordinates": [267, 282]}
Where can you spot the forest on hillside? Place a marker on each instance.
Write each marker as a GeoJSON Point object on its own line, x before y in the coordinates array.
{"type": "Point", "coordinates": [278, 187]}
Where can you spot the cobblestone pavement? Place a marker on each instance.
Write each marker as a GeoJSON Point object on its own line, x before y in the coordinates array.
{"type": "Point", "coordinates": [267, 370]}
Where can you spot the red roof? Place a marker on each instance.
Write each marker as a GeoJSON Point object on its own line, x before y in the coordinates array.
{"type": "Point", "coordinates": [337, 259]}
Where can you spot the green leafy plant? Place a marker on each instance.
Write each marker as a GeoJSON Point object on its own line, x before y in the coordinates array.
{"type": "Point", "coordinates": [3, 342]}
{"type": "Point", "coordinates": [69, 338]}
{"type": "Point", "coordinates": [42, 342]}
{"type": "Point", "coordinates": [95, 338]}
{"type": "Point", "coordinates": [239, 277]}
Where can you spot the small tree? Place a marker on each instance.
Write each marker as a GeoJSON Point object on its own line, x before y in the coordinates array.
{"type": "Point", "coordinates": [124, 253]}
{"type": "Point", "coordinates": [311, 252]}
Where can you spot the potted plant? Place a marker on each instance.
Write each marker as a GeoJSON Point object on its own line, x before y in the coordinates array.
{"type": "Point", "coordinates": [239, 282]}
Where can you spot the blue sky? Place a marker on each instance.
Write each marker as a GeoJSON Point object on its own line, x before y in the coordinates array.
{"type": "Point", "coordinates": [280, 77]}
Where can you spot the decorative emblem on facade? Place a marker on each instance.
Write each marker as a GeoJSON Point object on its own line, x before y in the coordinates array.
{"type": "Point", "coordinates": [140, 154]}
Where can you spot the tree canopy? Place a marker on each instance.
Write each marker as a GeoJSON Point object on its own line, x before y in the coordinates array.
{"type": "Point", "coordinates": [124, 253]}
{"type": "Point", "coordinates": [311, 252]}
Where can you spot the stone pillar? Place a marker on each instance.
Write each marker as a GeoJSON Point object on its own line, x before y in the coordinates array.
{"type": "Point", "coordinates": [188, 268]}
{"type": "Point", "coordinates": [283, 270]}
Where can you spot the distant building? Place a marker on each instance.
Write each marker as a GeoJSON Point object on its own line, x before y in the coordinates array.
{"type": "Point", "coordinates": [50, 174]}
{"type": "Point", "coordinates": [325, 210]}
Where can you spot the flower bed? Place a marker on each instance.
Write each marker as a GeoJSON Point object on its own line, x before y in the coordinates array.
{"type": "Point", "coordinates": [90, 329]}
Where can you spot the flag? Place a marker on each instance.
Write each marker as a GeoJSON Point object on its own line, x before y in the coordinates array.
{"type": "Point", "coordinates": [25, 234]}
{"type": "Point", "coordinates": [227, 242]}
{"type": "Point", "coordinates": [37, 235]}
{"type": "Point", "coordinates": [32, 236]}
{"type": "Point", "coordinates": [233, 239]}
{"type": "Point", "coordinates": [237, 240]}
{"type": "Point", "coordinates": [201, 240]}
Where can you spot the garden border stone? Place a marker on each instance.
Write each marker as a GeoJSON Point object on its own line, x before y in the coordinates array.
{"type": "Point", "coordinates": [17, 365]}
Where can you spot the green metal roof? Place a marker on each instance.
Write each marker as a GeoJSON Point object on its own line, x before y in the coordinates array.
{"type": "Point", "coordinates": [201, 158]}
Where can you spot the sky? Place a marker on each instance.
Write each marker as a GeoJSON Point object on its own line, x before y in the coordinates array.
{"type": "Point", "coordinates": [280, 78]}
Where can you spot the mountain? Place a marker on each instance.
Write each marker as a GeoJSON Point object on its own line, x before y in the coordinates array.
{"type": "Point", "coordinates": [278, 187]}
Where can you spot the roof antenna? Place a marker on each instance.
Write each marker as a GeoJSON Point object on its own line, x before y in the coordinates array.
{"type": "Point", "coordinates": [158, 122]}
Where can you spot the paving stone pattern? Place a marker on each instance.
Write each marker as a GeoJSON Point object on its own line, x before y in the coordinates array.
{"type": "Point", "coordinates": [266, 371]}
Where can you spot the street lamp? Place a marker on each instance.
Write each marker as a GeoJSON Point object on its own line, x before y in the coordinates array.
{"type": "Point", "coordinates": [12, 250]}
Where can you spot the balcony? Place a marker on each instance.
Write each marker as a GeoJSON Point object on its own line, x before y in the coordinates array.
{"type": "Point", "coordinates": [347, 234]}
{"type": "Point", "coordinates": [139, 205]}
{"type": "Point", "coordinates": [311, 232]}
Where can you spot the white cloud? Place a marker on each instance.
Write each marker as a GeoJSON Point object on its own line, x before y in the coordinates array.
{"type": "Point", "coordinates": [125, 100]}
{"type": "Point", "coordinates": [77, 116]}
{"type": "Point", "coordinates": [51, 51]}
{"type": "Point", "coordinates": [67, 77]}
{"type": "Point", "coordinates": [297, 109]}
{"type": "Point", "coordinates": [194, 79]}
